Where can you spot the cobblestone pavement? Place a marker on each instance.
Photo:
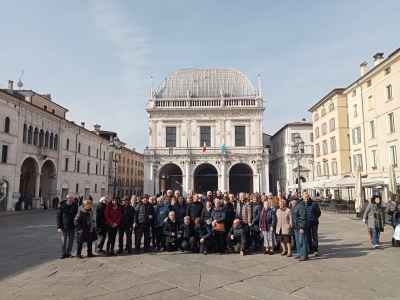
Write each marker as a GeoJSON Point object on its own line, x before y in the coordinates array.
{"type": "Point", "coordinates": [348, 268]}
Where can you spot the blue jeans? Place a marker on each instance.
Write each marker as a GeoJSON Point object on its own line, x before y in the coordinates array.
{"type": "Point", "coordinates": [375, 236]}
{"type": "Point", "coordinates": [301, 243]}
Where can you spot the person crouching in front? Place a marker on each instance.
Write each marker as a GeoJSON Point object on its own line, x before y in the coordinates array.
{"type": "Point", "coordinates": [171, 232]}
{"type": "Point", "coordinates": [202, 234]}
{"type": "Point", "coordinates": [186, 238]}
{"type": "Point", "coordinates": [84, 227]}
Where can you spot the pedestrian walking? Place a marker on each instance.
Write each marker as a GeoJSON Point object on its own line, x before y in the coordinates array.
{"type": "Point", "coordinates": [374, 217]}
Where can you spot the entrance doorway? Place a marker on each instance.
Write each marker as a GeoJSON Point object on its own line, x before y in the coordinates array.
{"type": "Point", "coordinates": [240, 179]}
{"type": "Point", "coordinates": [48, 182]}
{"type": "Point", "coordinates": [27, 181]}
{"type": "Point", "coordinates": [170, 178]}
{"type": "Point", "coordinates": [205, 178]}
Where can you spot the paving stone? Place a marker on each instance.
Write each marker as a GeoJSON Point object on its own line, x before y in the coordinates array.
{"type": "Point", "coordinates": [175, 294]}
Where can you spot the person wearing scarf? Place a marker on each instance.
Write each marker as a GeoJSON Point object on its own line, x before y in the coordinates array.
{"type": "Point", "coordinates": [84, 227]}
{"type": "Point", "coordinates": [375, 218]}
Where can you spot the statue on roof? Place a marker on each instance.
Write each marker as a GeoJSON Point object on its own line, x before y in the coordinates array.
{"type": "Point", "coordinates": [222, 93]}
{"type": "Point", "coordinates": [188, 93]}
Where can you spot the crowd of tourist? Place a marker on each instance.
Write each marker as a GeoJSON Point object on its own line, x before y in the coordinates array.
{"type": "Point", "coordinates": [215, 223]}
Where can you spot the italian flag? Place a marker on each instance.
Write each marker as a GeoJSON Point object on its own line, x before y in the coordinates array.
{"type": "Point", "coordinates": [204, 147]}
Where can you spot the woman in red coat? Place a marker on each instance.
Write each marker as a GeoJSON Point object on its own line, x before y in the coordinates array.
{"type": "Point", "coordinates": [113, 216]}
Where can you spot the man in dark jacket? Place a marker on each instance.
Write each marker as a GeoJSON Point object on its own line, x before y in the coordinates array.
{"type": "Point", "coordinates": [237, 237]}
{"type": "Point", "coordinates": [144, 214]}
{"type": "Point", "coordinates": [194, 209]}
{"type": "Point", "coordinates": [202, 235]}
{"type": "Point", "coordinates": [65, 224]}
{"type": "Point", "coordinates": [128, 215]}
{"type": "Point", "coordinates": [180, 210]}
{"type": "Point", "coordinates": [300, 226]}
{"type": "Point", "coordinates": [313, 214]}
{"type": "Point", "coordinates": [101, 223]}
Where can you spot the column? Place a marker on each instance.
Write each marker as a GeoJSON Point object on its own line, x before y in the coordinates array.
{"type": "Point", "coordinates": [187, 179]}
{"type": "Point", "coordinates": [36, 200]}
{"type": "Point", "coordinates": [266, 177]}
{"type": "Point", "coordinates": [222, 187]}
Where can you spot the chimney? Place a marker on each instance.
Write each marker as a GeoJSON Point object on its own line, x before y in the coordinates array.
{"type": "Point", "coordinates": [10, 85]}
{"type": "Point", "coordinates": [303, 120]}
{"type": "Point", "coordinates": [97, 129]}
{"type": "Point", "coordinates": [378, 58]}
{"type": "Point", "coordinates": [133, 149]}
{"type": "Point", "coordinates": [363, 68]}
{"type": "Point", "coordinates": [83, 124]}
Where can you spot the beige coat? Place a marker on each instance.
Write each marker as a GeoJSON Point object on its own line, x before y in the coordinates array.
{"type": "Point", "coordinates": [284, 221]}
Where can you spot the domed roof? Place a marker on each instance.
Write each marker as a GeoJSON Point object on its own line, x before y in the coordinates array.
{"type": "Point", "coordinates": [205, 83]}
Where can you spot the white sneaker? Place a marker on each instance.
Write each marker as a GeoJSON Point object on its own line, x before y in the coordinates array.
{"type": "Point", "coordinates": [161, 249]}
{"type": "Point", "coordinates": [316, 253]}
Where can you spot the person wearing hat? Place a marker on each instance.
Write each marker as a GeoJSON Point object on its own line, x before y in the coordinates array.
{"type": "Point", "coordinates": [128, 215]}
{"type": "Point", "coordinates": [300, 226]}
{"type": "Point", "coordinates": [144, 215]}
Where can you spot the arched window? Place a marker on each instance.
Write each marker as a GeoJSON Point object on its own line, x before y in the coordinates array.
{"type": "Point", "coordinates": [24, 133]}
{"type": "Point", "coordinates": [30, 134]}
{"type": "Point", "coordinates": [56, 142]}
{"type": "Point", "coordinates": [46, 139]}
{"type": "Point", "coordinates": [51, 141]}
{"type": "Point", "coordinates": [41, 138]}
{"type": "Point", "coordinates": [7, 125]}
{"type": "Point", "coordinates": [36, 136]}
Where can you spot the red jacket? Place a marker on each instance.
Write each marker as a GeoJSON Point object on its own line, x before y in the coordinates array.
{"type": "Point", "coordinates": [113, 215]}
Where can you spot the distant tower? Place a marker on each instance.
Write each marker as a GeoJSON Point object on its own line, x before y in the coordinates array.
{"type": "Point", "coordinates": [20, 84]}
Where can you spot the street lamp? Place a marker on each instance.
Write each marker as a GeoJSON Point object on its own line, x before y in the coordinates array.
{"type": "Point", "coordinates": [298, 149]}
{"type": "Point", "coordinates": [154, 178]}
{"type": "Point", "coordinates": [115, 151]}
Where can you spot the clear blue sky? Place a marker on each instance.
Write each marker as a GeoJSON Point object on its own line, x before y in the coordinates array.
{"type": "Point", "coordinates": [96, 57]}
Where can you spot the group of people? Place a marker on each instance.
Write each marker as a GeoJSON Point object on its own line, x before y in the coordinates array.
{"type": "Point", "coordinates": [376, 216]}
{"type": "Point", "coordinates": [217, 223]}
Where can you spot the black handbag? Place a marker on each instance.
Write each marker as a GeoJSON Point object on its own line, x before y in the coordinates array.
{"type": "Point", "coordinates": [94, 236]}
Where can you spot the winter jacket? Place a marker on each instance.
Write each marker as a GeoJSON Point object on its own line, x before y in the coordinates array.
{"type": "Point", "coordinates": [202, 232]}
{"type": "Point", "coordinates": [283, 221]}
{"type": "Point", "coordinates": [66, 215]}
{"type": "Point", "coordinates": [194, 209]}
{"type": "Point", "coordinates": [270, 219]}
{"type": "Point", "coordinates": [82, 222]}
{"type": "Point", "coordinates": [128, 215]}
{"type": "Point", "coordinates": [370, 215]}
{"type": "Point", "coordinates": [256, 209]}
{"type": "Point", "coordinates": [205, 214]}
{"type": "Point", "coordinates": [229, 213]}
{"type": "Point", "coordinates": [113, 215]}
{"type": "Point", "coordinates": [140, 213]}
{"type": "Point", "coordinates": [245, 208]}
{"type": "Point", "coordinates": [180, 211]}
{"type": "Point", "coordinates": [186, 231]}
{"type": "Point", "coordinates": [169, 228]}
{"type": "Point", "coordinates": [299, 216]}
{"type": "Point", "coordinates": [240, 234]}
{"type": "Point", "coordinates": [392, 207]}
{"type": "Point", "coordinates": [313, 212]}
{"type": "Point", "coordinates": [160, 213]}
{"type": "Point", "coordinates": [219, 216]}
{"type": "Point", "coordinates": [100, 218]}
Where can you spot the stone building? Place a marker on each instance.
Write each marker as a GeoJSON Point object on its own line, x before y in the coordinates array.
{"type": "Point", "coordinates": [331, 136]}
{"type": "Point", "coordinates": [205, 129]}
{"type": "Point", "coordinates": [284, 167]}
{"type": "Point", "coordinates": [44, 155]}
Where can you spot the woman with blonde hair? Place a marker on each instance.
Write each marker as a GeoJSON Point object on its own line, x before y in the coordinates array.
{"type": "Point", "coordinates": [283, 227]}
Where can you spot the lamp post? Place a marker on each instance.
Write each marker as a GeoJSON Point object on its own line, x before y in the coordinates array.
{"type": "Point", "coordinates": [154, 177]}
{"type": "Point", "coordinates": [115, 151]}
{"type": "Point", "coordinates": [298, 149]}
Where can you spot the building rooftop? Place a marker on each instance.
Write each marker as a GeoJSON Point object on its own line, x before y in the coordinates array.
{"type": "Point", "coordinates": [205, 83]}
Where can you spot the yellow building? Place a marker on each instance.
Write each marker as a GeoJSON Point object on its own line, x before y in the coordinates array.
{"type": "Point", "coordinates": [331, 136]}
{"type": "Point", "coordinates": [130, 172]}
{"type": "Point", "coordinates": [374, 111]}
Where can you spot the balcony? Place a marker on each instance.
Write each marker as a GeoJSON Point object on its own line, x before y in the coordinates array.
{"type": "Point", "coordinates": [199, 151]}
{"type": "Point", "coordinates": [197, 103]}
